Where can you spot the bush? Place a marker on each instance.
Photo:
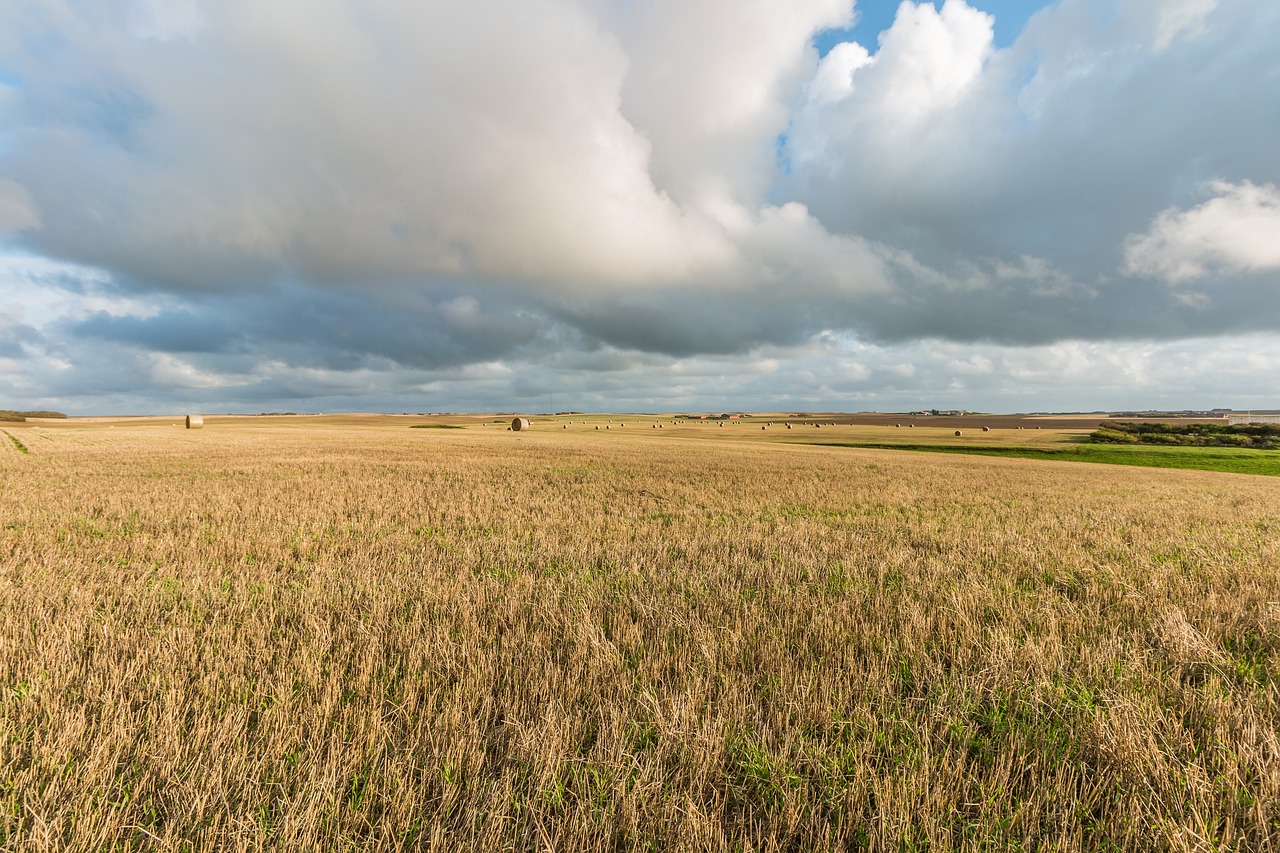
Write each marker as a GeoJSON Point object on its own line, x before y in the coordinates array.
{"type": "Point", "coordinates": [1113, 436]}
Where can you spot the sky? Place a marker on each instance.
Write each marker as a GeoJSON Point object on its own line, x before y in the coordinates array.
{"type": "Point", "coordinates": [638, 205]}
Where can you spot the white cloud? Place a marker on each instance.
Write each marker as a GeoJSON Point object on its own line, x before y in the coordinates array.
{"type": "Point", "coordinates": [710, 86]}
{"type": "Point", "coordinates": [1182, 18]}
{"type": "Point", "coordinates": [1238, 230]}
{"type": "Point", "coordinates": [926, 64]}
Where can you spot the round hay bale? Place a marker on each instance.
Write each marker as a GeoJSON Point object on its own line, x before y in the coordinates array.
{"type": "Point", "coordinates": [958, 432]}
{"type": "Point", "coordinates": [566, 426]}
{"type": "Point", "coordinates": [788, 426]}
{"type": "Point", "coordinates": [195, 422]}
{"type": "Point", "coordinates": [518, 424]}
{"type": "Point", "coordinates": [897, 425]}
{"type": "Point", "coordinates": [597, 426]}
{"type": "Point", "coordinates": [986, 429]}
{"type": "Point", "coordinates": [763, 427]}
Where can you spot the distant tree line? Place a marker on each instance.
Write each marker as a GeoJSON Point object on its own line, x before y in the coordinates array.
{"type": "Point", "coordinates": [18, 417]}
{"type": "Point", "coordinates": [1262, 436]}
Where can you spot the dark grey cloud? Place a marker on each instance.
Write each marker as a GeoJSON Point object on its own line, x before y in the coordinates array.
{"type": "Point", "coordinates": [177, 331]}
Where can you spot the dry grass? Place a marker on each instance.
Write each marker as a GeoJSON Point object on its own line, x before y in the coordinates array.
{"type": "Point", "coordinates": [306, 634]}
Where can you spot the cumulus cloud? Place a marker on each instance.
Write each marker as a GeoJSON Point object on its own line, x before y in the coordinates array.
{"type": "Point", "coordinates": [259, 199]}
{"type": "Point", "coordinates": [1238, 230]}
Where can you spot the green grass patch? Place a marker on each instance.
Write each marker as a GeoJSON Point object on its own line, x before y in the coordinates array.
{"type": "Point", "coordinates": [1226, 459]}
{"type": "Point", "coordinates": [22, 448]}
{"type": "Point", "coordinates": [436, 426]}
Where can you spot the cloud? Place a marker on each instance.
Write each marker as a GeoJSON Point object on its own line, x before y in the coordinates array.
{"type": "Point", "coordinates": [273, 196]}
{"type": "Point", "coordinates": [17, 209]}
{"type": "Point", "coordinates": [1237, 231]}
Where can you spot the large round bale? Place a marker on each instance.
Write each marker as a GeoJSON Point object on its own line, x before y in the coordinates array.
{"type": "Point", "coordinates": [986, 429]}
{"type": "Point", "coordinates": [958, 432]}
{"type": "Point", "coordinates": [195, 422]}
{"type": "Point", "coordinates": [518, 424]}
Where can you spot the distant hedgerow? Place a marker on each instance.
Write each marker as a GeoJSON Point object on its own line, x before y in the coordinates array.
{"type": "Point", "coordinates": [1257, 436]}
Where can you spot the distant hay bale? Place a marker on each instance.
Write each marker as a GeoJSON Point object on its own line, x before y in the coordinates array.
{"type": "Point", "coordinates": [897, 425]}
{"type": "Point", "coordinates": [518, 424]}
{"type": "Point", "coordinates": [788, 426]}
{"type": "Point", "coordinates": [986, 429]}
{"type": "Point", "coordinates": [958, 432]}
{"type": "Point", "coordinates": [195, 422]}
{"type": "Point", "coordinates": [566, 426]}
{"type": "Point", "coordinates": [763, 427]}
{"type": "Point", "coordinates": [597, 426]}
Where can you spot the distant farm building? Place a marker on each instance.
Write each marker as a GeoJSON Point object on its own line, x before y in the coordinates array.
{"type": "Point", "coordinates": [1233, 420]}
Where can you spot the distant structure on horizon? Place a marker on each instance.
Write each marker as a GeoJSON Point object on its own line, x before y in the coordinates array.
{"type": "Point", "coordinates": [1269, 418]}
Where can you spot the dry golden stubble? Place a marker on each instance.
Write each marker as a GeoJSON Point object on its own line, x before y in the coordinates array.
{"type": "Point", "coordinates": [271, 637]}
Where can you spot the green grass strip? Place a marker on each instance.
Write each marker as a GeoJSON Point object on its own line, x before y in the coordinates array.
{"type": "Point", "coordinates": [1227, 460]}
{"type": "Point", "coordinates": [22, 448]}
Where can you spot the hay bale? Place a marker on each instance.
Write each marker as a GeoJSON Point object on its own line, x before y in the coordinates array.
{"type": "Point", "coordinates": [518, 424]}
{"type": "Point", "coordinates": [195, 422]}
{"type": "Point", "coordinates": [958, 432]}
{"type": "Point", "coordinates": [788, 426]}
{"type": "Point", "coordinates": [566, 426]}
{"type": "Point", "coordinates": [897, 425]}
{"type": "Point", "coordinates": [986, 429]}
{"type": "Point", "coordinates": [597, 426]}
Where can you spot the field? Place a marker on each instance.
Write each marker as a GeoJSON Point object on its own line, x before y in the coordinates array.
{"type": "Point", "coordinates": [331, 633]}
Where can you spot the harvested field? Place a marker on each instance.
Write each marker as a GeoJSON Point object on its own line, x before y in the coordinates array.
{"type": "Point", "coordinates": [311, 633]}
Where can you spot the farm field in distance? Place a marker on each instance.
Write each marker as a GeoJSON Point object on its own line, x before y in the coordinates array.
{"type": "Point", "coordinates": [338, 632]}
